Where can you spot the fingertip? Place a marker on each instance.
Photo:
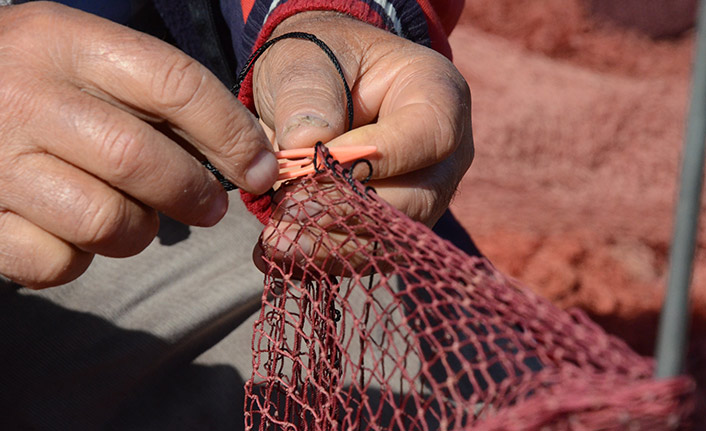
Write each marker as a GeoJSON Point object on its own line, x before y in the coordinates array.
{"type": "Point", "coordinates": [216, 211]}
{"type": "Point", "coordinates": [303, 130]}
{"type": "Point", "coordinates": [56, 276]}
{"type": "Point", "coordinates": [36, 259]}
{"type": "Point", "coordinates": [262, 172]}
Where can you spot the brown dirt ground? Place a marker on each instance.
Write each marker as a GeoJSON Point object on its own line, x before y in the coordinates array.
{"type": "Point", "coordinates": [578, 127]}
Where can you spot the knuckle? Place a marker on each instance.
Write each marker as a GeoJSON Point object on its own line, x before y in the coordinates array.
{"type": "Point", "coordinates": [119, 144]}
{"type": "Point", "coordinates": [20, 101]}
{"type": "Point", "coordinates": [112, 227]}
{"type": "Point", "coordinates": [452, 104]}
{"type": "Point", "coordinates": [421, 204]}
{"type": "Point", "coordinates": [13, 173]}
{"type": "Point", "coordinates": [444, 133]}
{"type": "Point", "coordinates": [42, 17]}
{"type": "Point", "coordinates": [416, 203]}
{"type": "Point", "coordinates": [121, 149]}
{"type": "Point", "coordinates": [241, 143]}
{"type": "Point", "coordinates": [101, 222]}
{"type": "Point", "coordinates": [453, 123]}
{"type": "Point", "coordinates": [178, 82]}
{"type": "Point", "coordinates": [241, 138]}
{"type": "Point", "coordinates": [432, 202]}
{"type": "Point", "coordinates": [31, 13]}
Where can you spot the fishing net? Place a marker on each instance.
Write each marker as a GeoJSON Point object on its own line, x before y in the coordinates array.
{"type": "Point", "coordinates": [370, 321]}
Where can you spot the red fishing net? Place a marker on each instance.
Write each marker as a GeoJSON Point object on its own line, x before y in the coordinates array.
{"type": "Point", "coordinates": [370, 321]}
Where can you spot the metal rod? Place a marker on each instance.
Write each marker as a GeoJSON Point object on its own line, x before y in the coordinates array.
{"type": "Point", "coordinates": [672, 338]}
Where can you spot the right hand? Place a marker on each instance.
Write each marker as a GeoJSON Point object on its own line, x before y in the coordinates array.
{"type": "Point", "coordinates": [83, 169]}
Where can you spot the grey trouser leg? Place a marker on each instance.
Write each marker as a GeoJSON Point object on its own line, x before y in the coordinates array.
{"type": "Point", "coordinates": [157, 341]}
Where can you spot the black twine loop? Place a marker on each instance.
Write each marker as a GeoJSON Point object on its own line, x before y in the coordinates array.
{"type": "Point", "coordinates": [328, 160]}
{"type": "Point", "coordinates": [311, 38]}
{"type": "Point", "coordinates": [370, 169]}
{"type": "Point", "coordinates": [346, 174]}
{"type": "Point", "coordinates": [335, 313]}
{"type": "Point", "coordinates": [227, 185]}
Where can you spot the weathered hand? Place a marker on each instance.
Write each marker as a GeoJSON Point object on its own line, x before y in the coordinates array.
{"type": "Point", "coordinates": [90, 116]}
{"type": "Point", "coordinates": [409, 101]}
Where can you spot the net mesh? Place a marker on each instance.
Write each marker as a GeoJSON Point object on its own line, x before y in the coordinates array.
{"type": "Point", "coordinates": [369, 321]}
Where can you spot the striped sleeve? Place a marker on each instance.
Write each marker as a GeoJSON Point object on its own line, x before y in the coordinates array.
{"type": "Point", "coordinates": [426, 22]}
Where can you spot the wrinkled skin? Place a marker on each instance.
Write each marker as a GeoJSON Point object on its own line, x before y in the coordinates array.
{"type": "Point", "coordinates": [99, 125]}
{"type": "Point", "coordinates": [409, 101]}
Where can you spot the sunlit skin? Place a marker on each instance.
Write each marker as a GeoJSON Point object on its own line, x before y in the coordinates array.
{"type": "Point", "coordinates": [98, 124]}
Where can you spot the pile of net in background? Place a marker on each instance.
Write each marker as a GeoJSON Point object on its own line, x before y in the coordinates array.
{"type": "Point", "coordinates": [372, 322]}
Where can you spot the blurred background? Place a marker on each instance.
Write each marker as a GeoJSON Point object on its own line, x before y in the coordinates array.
{"type": "Point", "coordinates": [579, 116]}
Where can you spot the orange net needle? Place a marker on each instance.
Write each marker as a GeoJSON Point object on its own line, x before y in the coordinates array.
{"type": "Point", "coordinates": [300, 160]}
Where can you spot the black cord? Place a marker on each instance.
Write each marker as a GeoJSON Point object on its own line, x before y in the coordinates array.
{"type": "Point", "coordinates": [311, 38]}
{"type": "Point", "coordinates": [227, 185]}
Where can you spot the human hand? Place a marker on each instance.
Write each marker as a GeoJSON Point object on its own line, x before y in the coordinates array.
{"type": "Point", "coordinates": [409, 101]}
{"type": "Point", "coordinates": [97, 123]}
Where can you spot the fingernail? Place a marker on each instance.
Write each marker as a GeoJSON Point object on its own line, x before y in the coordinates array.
{"type": "Point", "coordinates": [262, 173]}
{"type": "Point", "coordinates": [304, 120]}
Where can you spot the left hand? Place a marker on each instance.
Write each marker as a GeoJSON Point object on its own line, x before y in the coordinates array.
{"type": "Point", "coordinates": [409, 101]}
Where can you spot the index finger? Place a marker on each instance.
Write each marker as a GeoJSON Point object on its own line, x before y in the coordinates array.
{"type": "Point", "coordinates": [149, 76]}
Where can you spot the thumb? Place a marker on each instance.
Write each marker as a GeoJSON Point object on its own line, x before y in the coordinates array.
{"type": "Point", "coordinates": [299, 94]}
